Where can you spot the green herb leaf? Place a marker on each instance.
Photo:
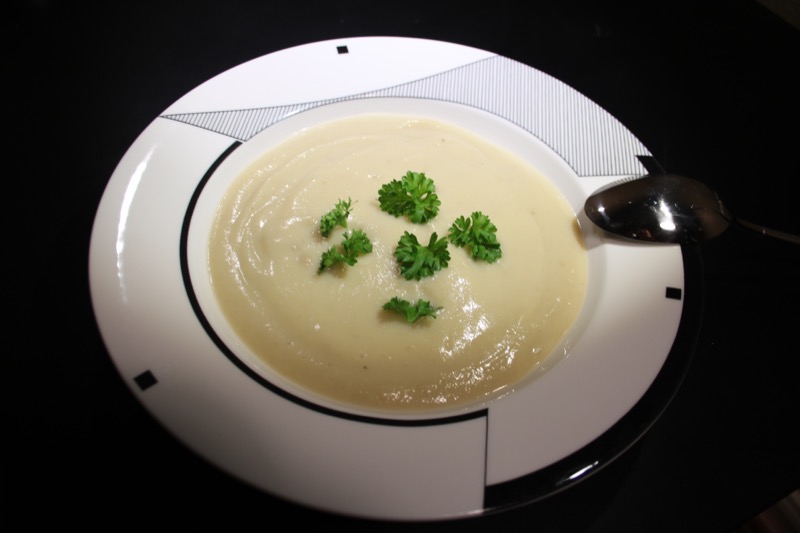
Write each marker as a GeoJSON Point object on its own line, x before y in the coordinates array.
{"type": "Point", "coordinates": [413, 196]}
{"type": "Point", "coordinates": [412, 312]}
{"type": "Point", "coordinates": [477, 234]}
{"type": "Point", "coordinates": [418, 261]}
{"type": "Point", "coordinates": [335, 217]}
{"type": "Point", "coordinates": [354, 244]}
{"type": "Point", "coordinates": [330, 257]}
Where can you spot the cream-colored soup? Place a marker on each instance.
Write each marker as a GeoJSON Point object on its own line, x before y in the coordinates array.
{"type": "Point", "coordinates": [328, 333]}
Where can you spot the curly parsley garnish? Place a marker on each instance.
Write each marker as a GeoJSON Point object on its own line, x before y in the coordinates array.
{"type": "Point", "coordinates": [354, 244]}
{"type": "Point", "coordinates": [411, 311]}
{"type": "Point", "coordinates": [413, 196]}
{"type": "Point", "coordinates": [478, 235]}
{"type": "Point", "coordinates": [418, 261]}
{"type": "Point", "coordinates": [335, 217]}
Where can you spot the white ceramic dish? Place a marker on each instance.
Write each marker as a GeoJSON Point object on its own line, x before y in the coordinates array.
{"type": "Point", "coordinates": [157, 316]}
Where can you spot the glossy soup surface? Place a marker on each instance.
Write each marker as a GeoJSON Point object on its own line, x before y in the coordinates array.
{"type": "Point", "coordinates": [327, 332]}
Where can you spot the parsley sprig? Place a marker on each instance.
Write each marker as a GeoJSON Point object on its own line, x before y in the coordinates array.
{"type": "Point", "coordinates": [412, 311]}
{"type": "Point", "coordinates": [354, 244]}
{"type": "Point", "coordinates": [478, 235]}
{"type": "Point", "coordinates": [412, 196]}
{"type": "Point", "coordinates": [335, 217]}
{"type": "Point", "coordinates": [418, 261]}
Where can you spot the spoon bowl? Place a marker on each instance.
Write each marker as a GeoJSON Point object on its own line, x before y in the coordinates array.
{"type": "Point", "coordinates": [665, 208]}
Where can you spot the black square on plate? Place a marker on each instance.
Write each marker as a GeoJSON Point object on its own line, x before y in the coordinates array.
{"type": "Point", "coordinates": [673, 293]}
{"type": "Point", "coordinates": [145, 380]}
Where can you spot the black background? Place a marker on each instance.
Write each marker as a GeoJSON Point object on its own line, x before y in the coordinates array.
{"type": "Point", "coordinates": [709, 87]}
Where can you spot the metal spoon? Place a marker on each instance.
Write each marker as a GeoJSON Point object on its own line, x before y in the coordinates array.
{"type": "Point", "coordinates": [666, 208]}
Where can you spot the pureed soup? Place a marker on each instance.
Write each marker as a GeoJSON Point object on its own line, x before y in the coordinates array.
{"type": "Point", "coordinates": [325, 328]}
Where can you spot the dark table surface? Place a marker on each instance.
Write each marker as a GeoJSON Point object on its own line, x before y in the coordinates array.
{"type": "Point", "coordinates": [711, 88]}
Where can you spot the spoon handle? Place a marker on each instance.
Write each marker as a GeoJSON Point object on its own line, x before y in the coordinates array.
{"type": "Point", "coordinates": [767, 232]}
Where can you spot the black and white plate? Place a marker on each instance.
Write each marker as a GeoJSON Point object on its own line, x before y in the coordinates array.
{"type": "Point", "coordinates": [157, 317]}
